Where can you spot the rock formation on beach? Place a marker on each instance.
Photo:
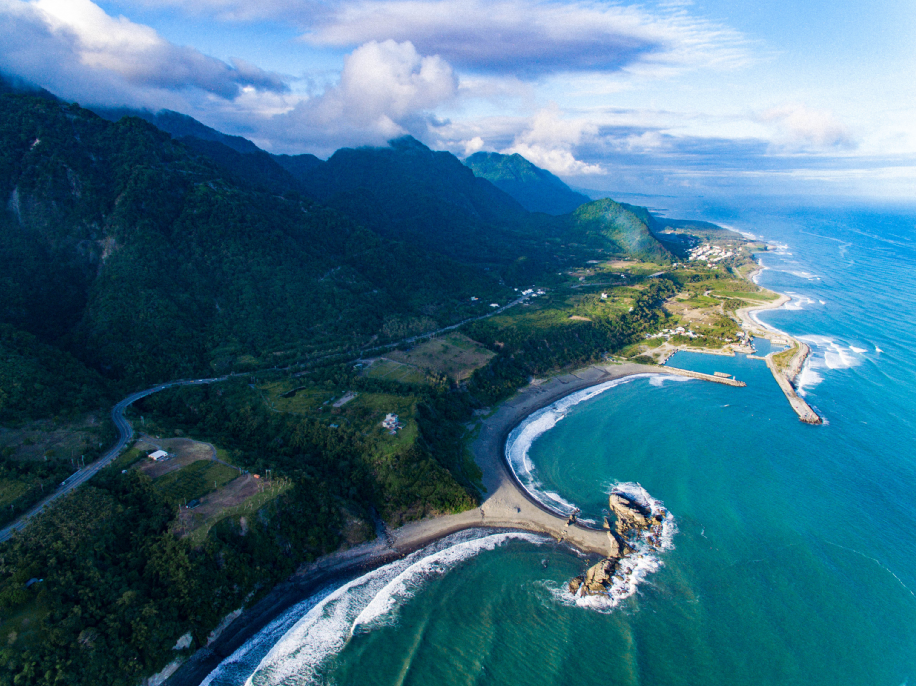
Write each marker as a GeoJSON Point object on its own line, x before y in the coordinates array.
{"type": "Point", "coordinates": [634, 521]}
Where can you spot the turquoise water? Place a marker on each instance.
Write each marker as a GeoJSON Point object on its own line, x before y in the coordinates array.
{"type": "Point", "coordinates": [793, 561]}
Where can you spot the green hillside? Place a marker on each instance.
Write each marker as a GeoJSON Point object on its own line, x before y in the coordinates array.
{"type": "Point", "coordinates": [536, 189]}
{"type": "Point", "coordinates": [618, 227]}
{"type": "Point", "coordinates": [142, 258]}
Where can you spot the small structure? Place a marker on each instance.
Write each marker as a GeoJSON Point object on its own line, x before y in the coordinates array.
{"type": "Point", "coordinates": [158, 455]}
{"type": "Point", "coordinates": [391, 423]}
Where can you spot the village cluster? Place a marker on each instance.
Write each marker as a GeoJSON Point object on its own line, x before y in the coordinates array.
{"type": "Point", "coordinates": [709, 253]}
{"type": "Point", "coordinates": [668, 333]}
{"type": "Point", "coordinates": [527, 293]}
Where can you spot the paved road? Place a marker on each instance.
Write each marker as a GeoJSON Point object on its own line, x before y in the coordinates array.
{"type": "Point", "coordinates": [125, 433]}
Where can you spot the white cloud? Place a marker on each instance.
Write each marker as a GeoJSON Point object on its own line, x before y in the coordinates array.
{"type": "Point", "coordinates": [549, 142]}
{"type": "Point", "coordinates": [798, 126]}
{"type": "Point", "coordinates": [473, 145]}
{"type": "Point", "coordinates": [44, 39]}
{"type": "Point", "coordinates": [532, 39]}
{"type": "Point", "coordinates": [384, 90]}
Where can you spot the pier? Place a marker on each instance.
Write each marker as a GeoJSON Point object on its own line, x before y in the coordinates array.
{"type": "Point", "coordinates": [727, 380]}
{"type": "Point", "coordinates": [802, 409]}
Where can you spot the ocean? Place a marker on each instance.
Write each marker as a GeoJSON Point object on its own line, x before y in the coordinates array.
{"type": "Point", "coordinates": [791, 556]}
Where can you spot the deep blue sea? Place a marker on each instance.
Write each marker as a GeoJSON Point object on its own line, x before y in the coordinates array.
{"type": "Point", "coordinates": [792, 555]}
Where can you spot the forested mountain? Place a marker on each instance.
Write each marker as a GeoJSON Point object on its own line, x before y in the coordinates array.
{"type": "Point", "coordinates": [536, 189]}
{"type": "Point", "coordinates": [179, 125]}
{"type": "Point", "coordinates": [409, 192]}
{"type": "Point", "coordinates": [142, 258]}
{"type": "Point", "coordinates": [618, 226]}
{"type": "Point", "coordinates": [150, 257]}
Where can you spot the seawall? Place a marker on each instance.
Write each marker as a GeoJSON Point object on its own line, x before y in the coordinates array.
{"type": "Point", "coordinates": [802, 409]}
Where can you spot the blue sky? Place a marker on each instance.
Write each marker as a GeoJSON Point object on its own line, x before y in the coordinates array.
{"type": "Point", "coordinates": [710, 97]}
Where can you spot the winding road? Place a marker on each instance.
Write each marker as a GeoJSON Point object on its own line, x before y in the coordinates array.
{"type": "Point", "coordinates": [125, 433]}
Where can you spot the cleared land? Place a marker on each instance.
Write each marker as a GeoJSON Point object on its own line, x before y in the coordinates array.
{"type": "Point", "coordinates": [194, 481]}
{"type": "Point", "coordinates": [243, 496]}
{"type": "Point", "coordinates": [453, 354]}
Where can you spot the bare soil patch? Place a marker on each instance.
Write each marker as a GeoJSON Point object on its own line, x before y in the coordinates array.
{"type": "Point", "coordinates": [234, 493]}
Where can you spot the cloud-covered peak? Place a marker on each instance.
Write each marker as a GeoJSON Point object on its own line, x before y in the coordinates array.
{"type": "Point", "coordinates": [385, 89]}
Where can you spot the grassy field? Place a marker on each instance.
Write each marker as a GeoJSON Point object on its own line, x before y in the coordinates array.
{"type": "Point", "coordinates": [21, 626]}
{"type": "Point", "coordinates": [194, 481]}
{"type": "Point", "coordinates": [248, 507]}
{"type": "Point", "coordinates": [127, 459]}
{"type": "Point", "coordinates": [781, 360]}
{"type": "Point", "coordinates": [454, 355]}
{"type": "Point", "coordinates": [393, 370]}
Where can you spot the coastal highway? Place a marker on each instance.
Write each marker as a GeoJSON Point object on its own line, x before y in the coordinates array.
{"type": "Point", "coordinates": [125, 433]}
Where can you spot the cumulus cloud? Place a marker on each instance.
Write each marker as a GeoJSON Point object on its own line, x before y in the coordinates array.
{"type": "Point", "coordinates": [532, 39]}
{"type": "Point", "coordinates": [47, 39]}
{"type": "Point", "coordinates": [385, 90]}
{"type": "Point", "coordinates": [549, 142]}
{"type": "Point", "coordinates": [802, 127]}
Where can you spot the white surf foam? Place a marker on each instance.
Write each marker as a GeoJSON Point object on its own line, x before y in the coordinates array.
{"type": "Point", "coordinates": [826, 354]}
{"type": "Point", "coordinates": [298, 657]}
{"type": "Point", "coordinates": [798, 302]}
{"type": "Point", "coordinates": [240, 665]}
{"type": "Point", "coordinates": [525, 434]}
{"type": "Point", "coordinates": [808, 276]}
{"type": "Point", "coordinates": [635, 568]}
{"type": "Point", "coordinates": [403, 587]}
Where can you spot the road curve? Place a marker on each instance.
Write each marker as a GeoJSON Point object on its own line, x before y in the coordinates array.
{"type": "Point", "coordinates": [125, 433]}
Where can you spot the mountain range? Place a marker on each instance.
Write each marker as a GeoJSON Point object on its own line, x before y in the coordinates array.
{"type": "Point", "coordinates": [152, 246]}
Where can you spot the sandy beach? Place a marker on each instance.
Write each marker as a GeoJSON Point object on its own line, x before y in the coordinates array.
{"type": "Point", "coordinates": [749, 324]}
{"type": "Point", "coordinates": [505, 505]}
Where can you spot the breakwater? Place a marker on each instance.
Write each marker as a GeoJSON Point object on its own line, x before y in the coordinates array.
{"type": "Point", "coordinates": [802, 409]}
{"type": "Point", "coordinates": [728, 381]}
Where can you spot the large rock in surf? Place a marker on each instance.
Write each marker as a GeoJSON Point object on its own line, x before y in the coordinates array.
{"type": "Point", "coordinates": [631, 515]}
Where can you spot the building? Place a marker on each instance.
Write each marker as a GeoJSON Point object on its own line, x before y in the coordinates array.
{"type": "Point", "coordinates": [158, 455]}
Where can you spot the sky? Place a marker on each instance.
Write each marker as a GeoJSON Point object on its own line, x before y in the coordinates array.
{"type": "Point", "coordinates": [712, 97]}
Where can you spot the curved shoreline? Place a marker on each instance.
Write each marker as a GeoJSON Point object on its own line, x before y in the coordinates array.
{"type": "Point", "coordinates": [506, 505]}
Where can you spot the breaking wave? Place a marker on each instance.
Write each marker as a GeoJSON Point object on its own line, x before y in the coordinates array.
{"type": "Point", "coordinates": [636, 567]}
{"type": "Point", "coordinates": [303, 644]}
{"type": "Point", "coordinates": [826, 354]}
{"type": "Point", "coordinates": [537, 424]}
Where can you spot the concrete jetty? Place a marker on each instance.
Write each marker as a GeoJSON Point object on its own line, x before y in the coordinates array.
{"type": "Point", "coordinates": [802, 409]}
{"type": "Point", "coordinates": [728, 381]}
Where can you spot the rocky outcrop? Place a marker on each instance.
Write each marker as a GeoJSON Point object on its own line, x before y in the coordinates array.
{"type": "Point", "coordinates": [635, 521]}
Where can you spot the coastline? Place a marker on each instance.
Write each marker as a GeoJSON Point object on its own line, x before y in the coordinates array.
{"type": "Point", "coordinates": [506, 505]}
{"type": "Point", "coordinates": [786, 381]}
